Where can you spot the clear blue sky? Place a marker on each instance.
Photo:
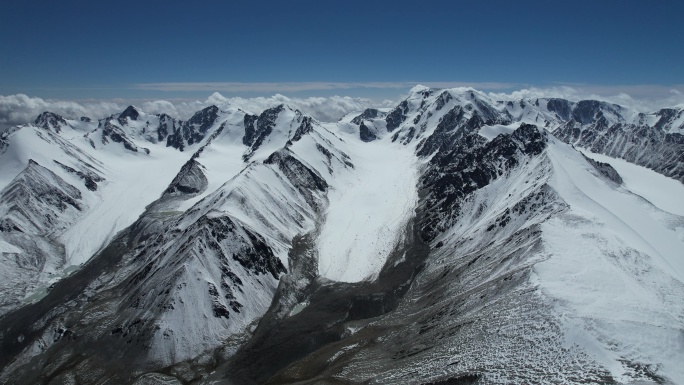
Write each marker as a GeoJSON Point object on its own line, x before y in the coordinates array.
{"type": "Point", "coordinates": [101, 49]}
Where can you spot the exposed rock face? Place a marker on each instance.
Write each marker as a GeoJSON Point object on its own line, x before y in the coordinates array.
{"type": "Point", "coordinates": [366, 134]}
{"type": "Point", "coordinates": [651, 147]}
{"type": "Point", "coordinates": [606, 170]}
{"type": "Point", "coordinates": [190, 180]}
{"type": "Point", "coordinates": [303, 178]}
{"type": "Point", "coordinates": [397, 116]}
{"type": "Point", "coordinates": [258, 128]}
{"type": "Point", "coordinates": [39, 201]}
{"type": "Point", "coordinates": [167, 125]}
{"type": "Point", "coordinates": [90, 179]}
{"type": "Point", "coordinates": [35, 208]}
{"type": "Point", "coordinates": [561, 107]}
{"type": "Point", "coordinates": [368, 114]}
{"type": "Point", "coordinates": [304, 128]}
{"type": "Point", "coordinates": [117, 135]}
{"type": "Point", "coordinates": [193, 130]}
{"type": "Point", "coordinates": [468, 166]}
{"type": "Point", "coordinates": [444, 98]}
{"type": "Point", "coordinates": [50, 121]}
{"type": "Point", "coordinates": [129, 113]}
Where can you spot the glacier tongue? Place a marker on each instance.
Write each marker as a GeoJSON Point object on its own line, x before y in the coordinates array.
{"type": "Point", "coordinates": [368, 210]}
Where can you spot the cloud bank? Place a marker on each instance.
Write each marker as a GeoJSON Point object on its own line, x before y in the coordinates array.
{"type": "Point", "coordinates": [20, 108]}
{"type": "Point", "coordinates": [643, 98]}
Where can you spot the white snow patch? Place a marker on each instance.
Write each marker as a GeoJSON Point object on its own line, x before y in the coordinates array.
{"type": "Point", "coordinates": [222, 161]}
{"type": "Point", "coordinates": [665, 193]}
{"type": "Point", "coordinates": [122, 200]}
{"type": "Point", "coordinates": [491, 132]}
{"type": "Point", "coordinates": [8, 248]}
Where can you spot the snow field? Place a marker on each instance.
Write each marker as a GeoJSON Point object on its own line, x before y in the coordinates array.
{"type": "Point", "coordinates": [128, 189]}
{"type": "Point", "coordinates": [665, 193]}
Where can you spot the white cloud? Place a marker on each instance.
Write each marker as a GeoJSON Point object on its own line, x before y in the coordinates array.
{"type": "Point", "coordinates": [20, 108]}
{"type": "Point", "coordinates": [644, 98]}
{"type": "Point", "coordinates": [324, 109]}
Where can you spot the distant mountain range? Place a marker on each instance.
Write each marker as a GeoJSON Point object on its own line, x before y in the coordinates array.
{"type": "Point", "coordinates": [452, 239]}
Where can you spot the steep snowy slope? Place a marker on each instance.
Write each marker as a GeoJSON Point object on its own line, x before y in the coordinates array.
{"type": "Point", "coordinates": [658, 189]}
{"type": "Point", "coordinates": [616, 270]}
{"type": "Point", "coordinates": [110, 172]}
{"type": "Point", "coordinates": [35, 208]}
{"type": "Point", "coordinates": [653, 140]}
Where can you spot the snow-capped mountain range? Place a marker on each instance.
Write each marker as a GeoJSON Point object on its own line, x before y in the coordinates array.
{"type": "Point", "coordinates": [451, 239]}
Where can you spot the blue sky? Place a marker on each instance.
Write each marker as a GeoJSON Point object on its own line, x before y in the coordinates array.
{"type": "Point", "coordinates": [179, 49]}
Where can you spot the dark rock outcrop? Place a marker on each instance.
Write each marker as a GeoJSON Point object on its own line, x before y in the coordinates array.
{"type": "Point", "coordinates": [606, 170]}
{"type": "Point", "coordinates": [193, 130]}
{"type": "Point", "coordinates": [50, 121]}
{"type": "Point", "coordinates": [190, 180]}
{"type": "Point", "coordinates": [366, 134]}
{"type": "Point", "coordinates": [368, 114]}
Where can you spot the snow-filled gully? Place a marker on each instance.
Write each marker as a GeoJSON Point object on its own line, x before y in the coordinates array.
{"type": "Point", "coordinates": [367, 211]}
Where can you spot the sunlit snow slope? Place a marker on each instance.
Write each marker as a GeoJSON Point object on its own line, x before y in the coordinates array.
{"type": "Point", "coordinates": [368, 210]}
{"type": "Point", "coordinates": [615, 270]}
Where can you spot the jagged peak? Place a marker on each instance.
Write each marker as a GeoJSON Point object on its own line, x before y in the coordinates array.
{"type": "Point", "coordinates": [277, 109]}
{"type": "Point", "coordinates": [368, 114]}
{"type": "Point", "coordinates": [210, 108]}
{"type": "Point", "coordinates": [131, 112]}
{"type": "Point", "coordinates": [165, 117]}
{"type": "Point", "coordinates": [48, 115]}
{"type": "Point", "coordinates": [210, 112]}
{"type": "Point", "coordinates": [50, 121]}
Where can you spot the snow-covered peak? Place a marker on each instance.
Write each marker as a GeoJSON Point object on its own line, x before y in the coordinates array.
{"type": "Point", "coordinates": [272, 129]}
{"type": "Point", "coordinates": [670, 120]}
{"type": "Point", "coordinates": [418, 89]}
{"type": "Point", "coordinates": [50, 121]}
